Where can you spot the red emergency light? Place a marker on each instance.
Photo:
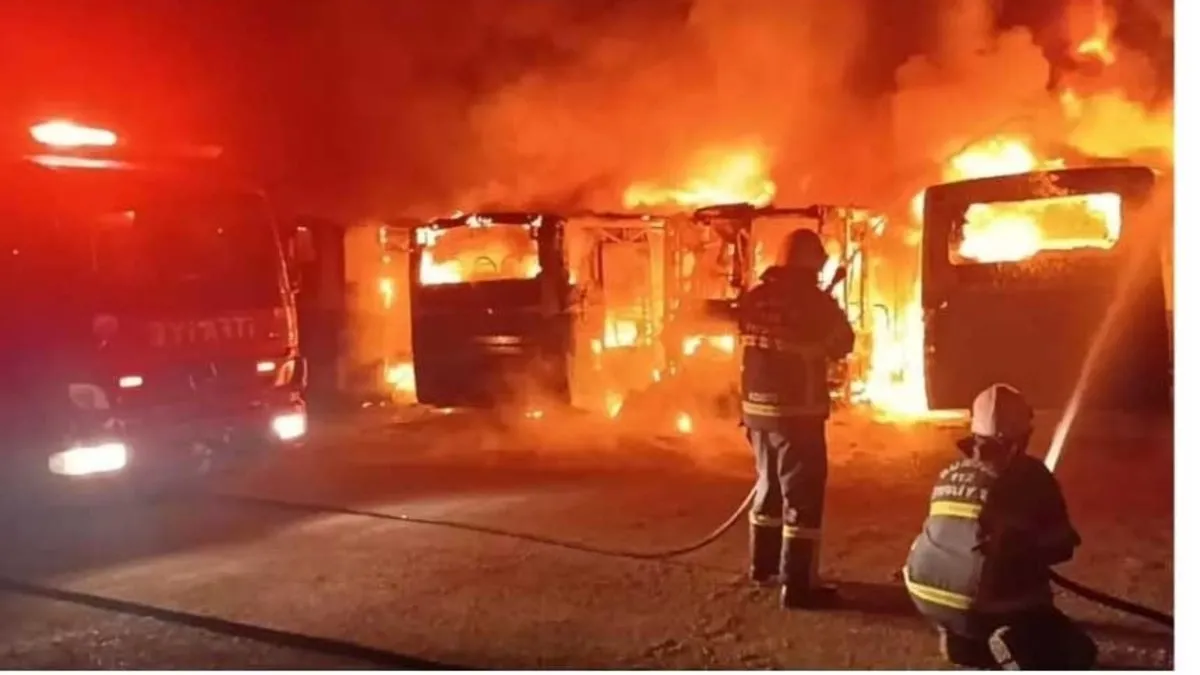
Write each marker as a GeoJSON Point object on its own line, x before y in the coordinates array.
{"type": "Point", "coordinates": [67, 134]}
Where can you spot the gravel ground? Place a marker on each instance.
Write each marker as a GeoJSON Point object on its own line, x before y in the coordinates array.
{"type": "Point", "coordinates": [392, 594]}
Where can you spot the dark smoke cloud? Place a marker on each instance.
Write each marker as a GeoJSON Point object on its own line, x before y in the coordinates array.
{"type": "Point", "coordinates": [643, 98]}
{"type": "Point", "coordinates": [374, 107]}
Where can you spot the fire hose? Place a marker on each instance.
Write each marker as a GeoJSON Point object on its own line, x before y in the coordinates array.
{"type": "Point", "coordinates": [1074, 587]}
{"type": "Point", "coordinates": [484, 529]}
{"type": "Point", "coordinates": [1052, 458]}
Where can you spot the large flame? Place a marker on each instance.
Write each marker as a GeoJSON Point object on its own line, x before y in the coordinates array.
{"type": "Point", "coordinates": [1098, 44]}
{"type": "Point", "coordinates": [477, 252]}
{"type": "Point", "coordinates": [1016, 231]}
{"type": "Point", "coordinates": [1104, 123]}
{"type": "Point", "coordinates": [720, 178]}
{"type": "Point", "coordinates": [1108, 124]}
{"type": "Point", "coordinates": [1101, 121]}
{"type": "Point", "coordinates": [1105, 120]}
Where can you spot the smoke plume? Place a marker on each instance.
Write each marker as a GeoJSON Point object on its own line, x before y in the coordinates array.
{"type": "Point", "coordinates": [646, 99]}
{"type": "Point", "coordinates": [532, 103]}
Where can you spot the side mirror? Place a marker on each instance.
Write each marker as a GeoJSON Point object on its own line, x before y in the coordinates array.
{"type": "Point", "coordinates": [303, 250]}
{"type": "Point", "coordinates": [300, 251]}
{"type": "Point", "coordinates": [294, 276]}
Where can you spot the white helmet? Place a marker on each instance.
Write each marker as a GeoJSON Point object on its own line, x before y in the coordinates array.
{"type": "Point", "coordinates": [1000, 411]}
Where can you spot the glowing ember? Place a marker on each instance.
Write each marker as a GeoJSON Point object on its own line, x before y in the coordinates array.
{"type": "Point", "coordinates": [387, 289]}
{"type": "Point", "coordinates": [399, 376]}
{"type": "Point", "coordinates": [740, 177]}
{"type": "Point", "coordinates": [613, 403]}
{"type": "Point", "coordinates": [722, 343]}
{"type": "Point", "coordinates": [683, 423]}
{"type": "Point", "coordinates": [619, 333]}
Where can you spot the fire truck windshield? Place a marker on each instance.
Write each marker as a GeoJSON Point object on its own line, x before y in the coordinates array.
{"type": "Point", "coordinates": [119, 241]}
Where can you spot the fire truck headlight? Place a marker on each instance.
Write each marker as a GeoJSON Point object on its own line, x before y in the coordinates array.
{"type": "Point", "coordinates": [67, 134]}
{"type": "Point", "coordinates": [86, 460]}
{"type": "Point", "coordinates": [289, 426]}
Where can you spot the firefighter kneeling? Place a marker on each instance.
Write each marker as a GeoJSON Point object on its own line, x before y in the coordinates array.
{"type": "Point", "coordinates": [980, 568]}
{"type": "Point", "coordinates": [790, 332]}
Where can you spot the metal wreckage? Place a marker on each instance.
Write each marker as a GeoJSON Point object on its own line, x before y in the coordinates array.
{"type": "Point", "coordinates": [631, 315]}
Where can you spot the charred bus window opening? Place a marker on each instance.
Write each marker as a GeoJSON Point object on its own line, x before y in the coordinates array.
{"type": "Point", "coordinates": [478, 253]}
{"type": "Point", "coordinates": [1012, 231]}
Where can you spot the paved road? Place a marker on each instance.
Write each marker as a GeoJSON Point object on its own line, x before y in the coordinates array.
{"type": "Point", "coordinates": [206, 582]}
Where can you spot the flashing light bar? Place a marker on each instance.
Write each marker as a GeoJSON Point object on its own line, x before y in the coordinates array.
{"type": "Point", "coordinates": [130, 381]}
{"type": "Point", "coordinates": [67, 134]}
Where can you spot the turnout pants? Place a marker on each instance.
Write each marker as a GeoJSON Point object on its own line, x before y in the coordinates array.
{"type": "Point", "coordinates": [789, 502]}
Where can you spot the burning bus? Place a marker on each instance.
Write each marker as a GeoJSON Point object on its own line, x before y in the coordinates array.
{"type": "Point", "coordinates": [151, 322]}
{"type": "Point", "coordinates": [1018, 274]}
{"type": "Point", "coordinates": [714, 255]}
{"type": "Point", "coordinates": [619, 267]}
{"type": "Point", "coordinates": [491, 310]}
{"type": "Point", "coordinates": [626, 313]}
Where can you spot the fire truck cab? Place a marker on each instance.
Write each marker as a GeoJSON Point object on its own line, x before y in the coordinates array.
{"type": "Point", "coordinates": [151, 324]}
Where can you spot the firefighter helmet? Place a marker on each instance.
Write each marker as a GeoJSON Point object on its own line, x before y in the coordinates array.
{"type": "Point", "coordinates": [803, 249]}
{"type": "Point", "coordinates": [1001, 412]}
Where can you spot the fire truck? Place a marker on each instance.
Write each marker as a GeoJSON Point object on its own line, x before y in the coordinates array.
{"type": "Point", "coordinates": [150, 327]}
{"type": "Point", "coordinates": [1019, 274]}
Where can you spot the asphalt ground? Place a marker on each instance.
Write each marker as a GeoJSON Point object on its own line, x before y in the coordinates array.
{"type": "Point", "coordinates": [207, 579]}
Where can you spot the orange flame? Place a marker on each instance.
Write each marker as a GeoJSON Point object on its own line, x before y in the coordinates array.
{"type": "Point", "coordinates": [738, 177]}
{"type": "Point", "coordinates": [1098, 45]}
{"type": "Point", "coordinates": [400, 377]}
{"type": "Point", "coordinates": [479, 252]}
{"type": "Point", "coordinates": [1108, 123]}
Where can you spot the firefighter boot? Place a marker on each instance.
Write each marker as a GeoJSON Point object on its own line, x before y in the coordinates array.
{"type": "Point", "coordinates": [1053, 643]}
{"type": "Point", "coordinates": [766, 544]}
{"type": "Point", "coordinates": [802, 586]}
{"type": "Point", "coordinates": [965, 652]}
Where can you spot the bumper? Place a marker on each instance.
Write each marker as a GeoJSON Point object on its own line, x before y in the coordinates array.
{"type": "Point", "coordinates": [158, 449]}
{"type": "Point", "coordinates": [138, 454]}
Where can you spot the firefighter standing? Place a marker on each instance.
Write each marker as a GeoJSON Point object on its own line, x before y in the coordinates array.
{"type": "Point", "coordinates": [790, 332]}
{"type": "Point", "coordinates": [980, 568]}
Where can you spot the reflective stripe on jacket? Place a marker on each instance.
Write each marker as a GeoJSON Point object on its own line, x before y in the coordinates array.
{"type": "Point", "coordinates": [789, 332]}
{"type": "Point", "coordinates": [961, 561]}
